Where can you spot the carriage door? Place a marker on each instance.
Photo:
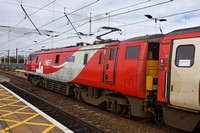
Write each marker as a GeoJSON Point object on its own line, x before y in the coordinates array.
{"type": "Point", "coordinates": [185, 73]}
{"type": "Point", "coordinates": [110, 65]}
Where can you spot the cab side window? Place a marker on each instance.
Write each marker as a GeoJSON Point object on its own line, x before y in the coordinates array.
{"type": "Point", "coordinates": [112, 54]}
{"type": "Point", "coordinates": [57, 58]}
{"type": "Point", "coordinates": [85, 59]}
{"type": "Point", "coordinates": [31, 57]}
{"type": "Point", "coordinates": [132, 52]}
{"type": "Point", "coordinates": [37, 59]}
{"type": "Point", "coordinates": [185, 55]}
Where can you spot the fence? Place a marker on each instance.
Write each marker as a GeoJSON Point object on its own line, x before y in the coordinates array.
{"type": "Point", "coordinates": [14, 65]}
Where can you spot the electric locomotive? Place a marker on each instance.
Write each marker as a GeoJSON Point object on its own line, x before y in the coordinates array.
{"type": "Point", "coordinates": [142, 76]}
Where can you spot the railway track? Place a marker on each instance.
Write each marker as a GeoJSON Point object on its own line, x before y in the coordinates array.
{"type": "Point", "coordinates": [134, 125]}
{"type": "Point", "coordinates": [71, 121]}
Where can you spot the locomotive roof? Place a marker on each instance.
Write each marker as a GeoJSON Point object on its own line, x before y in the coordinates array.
{"type": "Point", "coordinates": [149, 38]}
{"type": "Point", "coordinates": [185, 30]}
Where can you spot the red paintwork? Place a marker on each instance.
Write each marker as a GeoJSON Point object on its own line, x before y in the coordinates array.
{"type": "Point", "coordinates": [43, 57]}
{"type": "Point", "coordinates": [165, 45]}
{"type": "Point", "coordinates": [130, 73]}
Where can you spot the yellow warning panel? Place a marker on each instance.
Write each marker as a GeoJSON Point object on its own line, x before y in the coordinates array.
{"type": "Point", "coordinates": [17, 117]}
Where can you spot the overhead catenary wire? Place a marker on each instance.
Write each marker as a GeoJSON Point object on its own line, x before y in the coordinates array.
{"type": "Point", "coordinates": [90, 18]}
{"type": "Point", "coordinates": [24, 18]}
{"type": "Point", "coordinates": [105, 13]}
{"type": "Point", "coordinates": [122, 8]}
{"type": "Point", "coordinates": [104, 17]}
{"type": "Point", "coordinates": [153, 5]}
{"type": "Point", "coordinates": [99, 18]}
{"type": "Point", "coordinates": [161, 17]}
{"type": "Point", "coordinates": [167, 16]}
{"type": "Point", "coordinates": [171, 15]}
{"type": "Point", "coordinates": [16, 4]}
{"type": "Point", "coordinates": [53, 21]}
{"type": "Point", "coordinates": [68, 14]}
{"type": "Point", "coordinates": [58, 35]}
{"type": "Point", "coordinates": [121, 12]}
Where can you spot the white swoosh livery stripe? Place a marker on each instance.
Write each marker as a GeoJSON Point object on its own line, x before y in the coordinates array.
{"type": "Point", "coordinates": [59, 65]}
{"type": "Point", "coordinates": [72, 69]}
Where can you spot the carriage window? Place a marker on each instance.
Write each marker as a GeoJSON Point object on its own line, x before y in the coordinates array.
{"type": "Point", "coordinates": [185, 55]}
{"type": "Point", "coordinates": [57, 58]}
{"type": "Point", "coordinates": [132, 52]}
{"type": "Point", "coordinates": [100, 56]}
{"type": "Point", "coordinates": [85, 59]}
{"type": "Point", "coordinates": [112, 53]}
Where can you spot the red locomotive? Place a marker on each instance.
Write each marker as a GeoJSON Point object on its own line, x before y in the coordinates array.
{"type": "Point", "coordinates": [141, 76]}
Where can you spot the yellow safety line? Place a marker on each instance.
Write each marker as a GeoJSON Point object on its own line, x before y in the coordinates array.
{"type": "Point", "coordinates": [20, 123]}
{"type": "Point", "coordinates": [2, 131]}
{"type": "Point", "coordinates": [41, 124]}
{"type": "Point", "coordinates": [48, 129]}
{"type": "Point", "coordinates": [6, 92]}
{"type": "Point", "coordinates": [50, 126]}
{"type": "Point", "coordinates": [9, 99]}
{"type": "Point", "coordinates": [8, 120]}
{"type": "Point", "coordinates": [6, 97]}
{"type": "Point", "coordinates": [15, 111]}
{"type": "Point", "coordinates": [17, 105]}
{"type": "Point", "coordinates": [28, 113]}
{"type": "Point", "coordinates": [3, 105]}
{"type": "Point", "coordinates": [10, 103]}
{"type": "Point", "coordinates": [28, 123]}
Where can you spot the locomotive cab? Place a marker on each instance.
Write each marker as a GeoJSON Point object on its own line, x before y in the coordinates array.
{"type": "Point", "coordinates": [29, 62]}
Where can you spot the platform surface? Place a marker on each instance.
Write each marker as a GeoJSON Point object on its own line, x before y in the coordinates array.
{"type": "Point", "coordinates": [19, 116]}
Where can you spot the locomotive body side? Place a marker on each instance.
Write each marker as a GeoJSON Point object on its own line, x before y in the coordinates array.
{"type": "Point", "coordinates": [113, 74]}
{"type": "Point", "coordinates": [179, 77]}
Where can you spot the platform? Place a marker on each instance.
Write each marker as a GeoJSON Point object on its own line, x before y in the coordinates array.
{"type": "Point", "coordinates": [19, 116]}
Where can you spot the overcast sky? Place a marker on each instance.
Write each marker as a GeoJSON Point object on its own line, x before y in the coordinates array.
{"type": "Point", "coordinates": [17, 31]}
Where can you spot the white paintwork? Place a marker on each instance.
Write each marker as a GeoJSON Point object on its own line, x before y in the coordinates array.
{"type": "Point", "coordinates": [72, 69]}
{"type": "Point", "coordinates": [40, 69]}
{"type": "Point", "coordinates": [185, 80]}
{"type": "Point", "coordinates": [49, 118]}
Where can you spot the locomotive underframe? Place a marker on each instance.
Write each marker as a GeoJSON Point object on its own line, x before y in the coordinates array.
{"type": "Point", "coordinates": [108, 99]}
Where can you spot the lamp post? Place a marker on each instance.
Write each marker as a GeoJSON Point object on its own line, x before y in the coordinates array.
{"type": "Point", "coordinates": [52, 36]}
{"type": "Point", "coordinates": [155, 19]}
